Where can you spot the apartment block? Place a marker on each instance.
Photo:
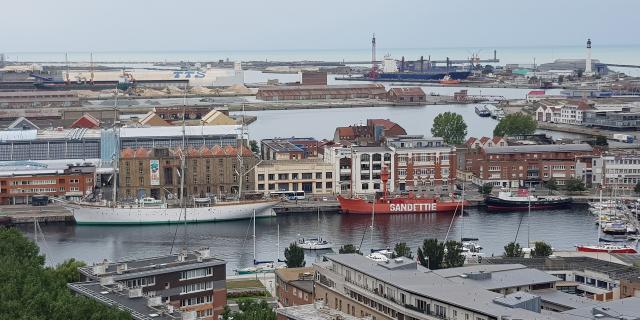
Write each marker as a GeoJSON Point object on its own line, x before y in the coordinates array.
{"type": "Point", "coordinates": [313, 176]}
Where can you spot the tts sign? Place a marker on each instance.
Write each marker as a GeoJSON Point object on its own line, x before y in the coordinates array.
{"type": "Point", "coordinates": [188, 74]}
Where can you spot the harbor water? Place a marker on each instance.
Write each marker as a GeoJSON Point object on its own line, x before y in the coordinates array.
{"type": "Point", "coordinates": [232, 240]}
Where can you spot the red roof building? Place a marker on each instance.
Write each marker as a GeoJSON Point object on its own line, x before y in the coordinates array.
{"type": "Point", "coordinates": [410, 95]}
{"type": "Point", "coordinates": [87, 121]}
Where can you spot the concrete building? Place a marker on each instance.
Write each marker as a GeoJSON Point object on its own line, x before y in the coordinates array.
{"type": "Point", "coordinates": [294, 286]}
{"type": "Point", "coordinates": [367, 167]}
{"type": "Point", "coordinates": [322, 92]}
{"type": "Point", "coordinates": [526, 165]}
{"type": "Point", "coordinates": [407, 95]}
{"type": "Point", "coordinates": [315, 311]}
{"type": "Point", "coordinates": [188, 285]}
{"type": "Point", "coordinates": [571, 112]}
{"type": "Point", "coordinates": [373, 133]}
{"type": "Point", "coordinates": [21, 180]}
{"type": "Point", "coordinates": [624, 119]}
{"type": "Point", "coordinates": [401, 289]}
{"type": "Point", "coordinates": [618, 171]}
{"type": "Point", "coordinates": [339, 156]}
{"type": "Point", "coordinates": [209, 172]}
{"type": "Point", "coordinates": [630, 288]}
{"type": "Point", "coordinates": [585, 276]}
{"type": "Point", "coordinates": [38, 99]}
{"type": "Point", "coordinates": [313, 176]}
{"type": "Point", "coordinates": [423, 164]}
{"type": "Point", "coordinates": [288, 148]}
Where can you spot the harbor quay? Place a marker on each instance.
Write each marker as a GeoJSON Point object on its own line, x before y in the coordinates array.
{"type": "Point", "coordinates": [399, 187]}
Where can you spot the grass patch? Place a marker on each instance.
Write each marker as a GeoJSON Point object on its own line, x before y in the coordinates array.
{"type": "Point", "coordinates": [240, 284]}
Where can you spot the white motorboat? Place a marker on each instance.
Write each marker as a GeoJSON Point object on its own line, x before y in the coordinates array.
{"type": "Point", "coordinates": [315, 243]}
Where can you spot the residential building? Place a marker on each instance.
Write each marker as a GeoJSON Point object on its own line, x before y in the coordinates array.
{"type": "Point", "coordinates": [38, 99]}
{"type": "Point", "coordinates": [294, 286]}
{"type": "Point", "coordinates": [339, 156]}
{"type": "Point", "coordinates": [526, 165]}
{"type": "Point", "coordinates": [315, 311]}
{"type": "Point", "coordinates": [618, 171]}
{"type": "Point", "coordinates": [535, 95]}
{"type": "Point", "coordinates": [484, 142]}
{"type": "Point", "coordinates": [373, 133]}
{"type": "Point", "coordinates": [209, 172]}
{"type": "Point", "coordinates": [151, 119]}
{"type": "Point", "coordinates": [598, 280]}
{"type": "Point", "coordinates": [423, 164]}
{"type": "Point", "coordinates": [630, 287]}
{"type": "Point", "coordinates": [314, 78]}
{"type": "Point", "coordinates": [367, 167]}
{"type": "Point", "coordinates": [571, 112]}
{"type": "Point", "coordinates": [21, 180]}
{"type": "Point", "coordinates": [187, 285]}
{"type": "Point", "coordinates": [624, 119]}
{"type": "Point", "coordinates": [313, 176]}
{"type": "Point", "coordinates": [288, 148]}
{"type": "Point", "coordinates": [402, 289]}
{"type": "Point", "coordinates": [322, 92]}
{"type": "Point", "coordinates": [407, 95]}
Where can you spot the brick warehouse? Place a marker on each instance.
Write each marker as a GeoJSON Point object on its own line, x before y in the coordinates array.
{"type": "Point", "coordinates": [528, 165]}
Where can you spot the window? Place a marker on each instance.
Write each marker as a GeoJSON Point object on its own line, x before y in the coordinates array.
{"type": "Point", "coordinates": [318, 175]}
{"type": "Point", "coordinates": [195, 301]}
{"type": "Point", "coordinates": [271, 176]}
{"type": "Point", "coordinates": [329, 185]}
{"type": "Point", "coordinates": [141, 282]}
{"type": "Point", "coordinates": [195, 287]}
{"type": "Point", "coordinates": [365, 186]}
{"type": "Point", "coordinates": [261, 177]}
{"type": "Point", "coordinates": [196, 273]}
{"type": "Point", "coordinates": [294, 176]}
{"type": "Point", "coordinates": [328, 175]}
{"type": "Point", "coordinates": [318, 185]}
{"type": "Point", "coordinates": [307, 176]}
{"type": "Point", "coordinates": [205, 313]}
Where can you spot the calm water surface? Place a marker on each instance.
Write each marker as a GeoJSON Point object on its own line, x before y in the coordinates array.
{"type": "Point", "coordinates": [232, 240]}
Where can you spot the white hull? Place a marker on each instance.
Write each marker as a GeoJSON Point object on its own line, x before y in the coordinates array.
{"type": "Point", "coordinates": [314, 245]}
{"type": "Point", "coordinates": [140, 215]}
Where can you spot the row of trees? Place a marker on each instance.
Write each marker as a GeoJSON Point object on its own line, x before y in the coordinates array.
{"type": "Point", "coordinates": [451, 127]}
{"type": "Point", "coordinates": [540, 250]}
{"type": "Point", "coordinates": [29, 290]}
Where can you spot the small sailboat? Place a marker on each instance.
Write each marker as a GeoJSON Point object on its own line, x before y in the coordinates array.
{"type": "Point", "coordinates": [258, 266]}
{"type": "Point", "coordinates": [315, 243]}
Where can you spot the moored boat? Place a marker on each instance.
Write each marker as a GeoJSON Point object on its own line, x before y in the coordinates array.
{"type": "Point", "coordinates": [507, 201]}
{"type": "Point", "coordinates": [607, 248]}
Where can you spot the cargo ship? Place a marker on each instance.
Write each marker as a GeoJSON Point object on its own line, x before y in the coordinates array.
{"type": "Point", "coordinates": [398, 204]}
{"type": "Point", "coordinates": [391, 72]}
{"type": "Point", "coordinates": [507, 201]}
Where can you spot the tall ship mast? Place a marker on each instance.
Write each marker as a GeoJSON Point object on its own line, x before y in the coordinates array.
{"type": "Point", "coordinates": [153, 211]}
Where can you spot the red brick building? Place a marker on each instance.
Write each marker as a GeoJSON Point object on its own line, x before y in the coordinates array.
{"type": "Point", "coordinates": [294, 286]}
{"type": "Point", "coordinates": [314, 78]}
{"type": "Point", "coordinates": [86, 121]}
{"type": "Point", "coordinates": [372, 134]}
{"type": "Point", "coordinates": [18, 184]}
{"type": "Point", "coordinates": [409, 94]}
{"type": "Point", "coordinates": [526, 165]}
{"type": "Point", "coordinates": [423, 164]}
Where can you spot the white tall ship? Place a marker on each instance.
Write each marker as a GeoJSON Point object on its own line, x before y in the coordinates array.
{"type": "Point", "coordinates": [152, 211]}
{"type": "Point", "coordinates": [148, 212]}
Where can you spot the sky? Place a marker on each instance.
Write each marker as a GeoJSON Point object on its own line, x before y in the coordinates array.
{"type": "Point", "coordinates": [177, 25]}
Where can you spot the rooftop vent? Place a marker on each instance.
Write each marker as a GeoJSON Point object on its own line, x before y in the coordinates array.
{"type": "Point", "coordinates": [121, 268]}
{"type": "Point", "coordinates": [106, 281]}
{"type": "Point", "coordinates": [135, 293]}
{"type": "Point", "coordinates": [154, 301]}
{"type": "Point", "coordinates": [398, 260]}
{"type": "Point", "coordinates": [182, 257]}
{"type": "Point", "coordinates": [203, 252]}
{"type": "Point", "coordinates": [99, 269]}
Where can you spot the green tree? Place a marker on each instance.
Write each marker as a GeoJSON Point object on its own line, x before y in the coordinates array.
{"type": "Point", "coordinates": [294, 256]}
{"type": "Point", "coordinates": [485, 189]}
{"type": "Point", "coordinates": [28, 290]}
{"type": "Point", "coordinates": [575, 185]}
{"type": "Point", "coordinates": [513, 250]}
{"type": "Point", "coordinates": [431, 254]}
{"type": "Point", "coordinates": [541, 249]}
{"type": "Point", "coordinates": [68, 270]}
{"type": "Point", "coordinates": [347, 248]}
{"type": "Point", "coordinates": [250, 310]}
{"type": "Point", "coordinates": [453, 257]}
{"type": "Point", "coordinates": [449, 126]}
{"type": "Point", "coordinates": [253, 144]}
{"type": "Point", "coordinates": [637, 188]}
{"type": "Point", "coordinates": [601, 141]}
{"type": "Point", "coordinates": [515, 124]}
{"type": "Point", "coordinates": [402, 250]}
{"type": "Point", "coordinates": [551, 184]}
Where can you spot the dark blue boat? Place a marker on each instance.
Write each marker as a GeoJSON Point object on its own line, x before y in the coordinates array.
{"type": "Point", "coordinates": [422, 76]}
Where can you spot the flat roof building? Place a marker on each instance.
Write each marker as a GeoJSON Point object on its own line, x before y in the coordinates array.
{"type": "Point", "coordinates": [321, 92]}
{"type": "Point", "coordinates": [187, 285]}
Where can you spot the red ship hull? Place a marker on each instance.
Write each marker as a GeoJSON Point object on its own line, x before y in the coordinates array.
{"type": "Point", "coordinates": [596, 249]}
{"type": "Point", "coordinates": [398, 206]}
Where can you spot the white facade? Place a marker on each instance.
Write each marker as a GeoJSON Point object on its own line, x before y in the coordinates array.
{"type": "Point", "coordinates": [358, 169]}
{"type": "Point", "coordinates": [617, 172]}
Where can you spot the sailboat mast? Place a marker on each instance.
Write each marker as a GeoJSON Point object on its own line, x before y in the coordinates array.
{"type": "Point", "coordinates": [600, 216]}
{"type": "Point", "coordinates": [529, 220]}
{"type": "Point", "coordinates": [318, 227]}
{"type": "Point", "coordinates": [116, 153]}
{"type": "Point", "coordinates": [254, 236]}
{"type": "Point", "coordinates": [278, 252]}
{"type": "Point", "coordinates": [183, 160]}
{"type": "Point", "coordinates": [373, 215]}
{"type": "Point", "coordinates": [462, 214]}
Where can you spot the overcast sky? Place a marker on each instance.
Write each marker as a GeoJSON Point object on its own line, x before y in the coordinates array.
{"type": "Point", "coordinates": [178, 25]}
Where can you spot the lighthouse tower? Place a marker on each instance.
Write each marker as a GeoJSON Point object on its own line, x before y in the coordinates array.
{"type": "Point", "coordinates": [587, 68]}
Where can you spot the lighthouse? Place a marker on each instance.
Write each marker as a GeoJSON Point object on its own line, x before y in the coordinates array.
{"type": "Point", "coordinates": [587, 67]}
